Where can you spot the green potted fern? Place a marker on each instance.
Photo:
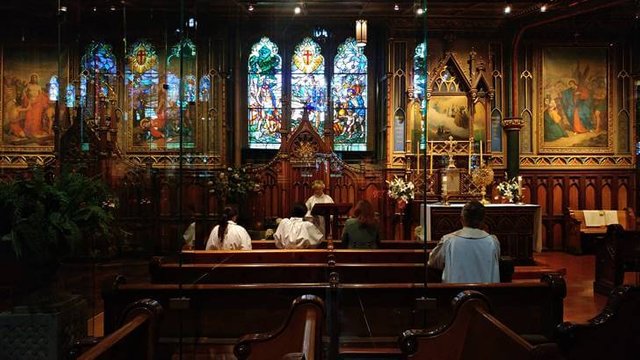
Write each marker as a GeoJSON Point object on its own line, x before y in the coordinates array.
{"type": "Point", "coordinates": [45, 221]}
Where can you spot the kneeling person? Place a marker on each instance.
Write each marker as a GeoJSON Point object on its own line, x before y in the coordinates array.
{"type": "Point", "coordinates": [296, 233]}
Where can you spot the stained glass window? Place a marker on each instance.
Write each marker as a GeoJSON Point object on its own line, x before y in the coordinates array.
{"type": "Point", "coordinates": [349, 96]}
{"type": "Point", "coordinates": [308, 84]}
{"type": "Point", "coordinates": [182, 57]}
{"type": "Point", "coordinates": [70, 96]}
{"type": "Point", "coordinates": [419, 82]}
{"type": "Point", "coordinates": [54, 88]}
{"type": "Point", "coordinates": [264, 95]}
{"type": "Point", "coordinates": [99, 75]}
{"type": "Point", "coordinates": [205, 88]}
{"type": "Point", "coordinates": [145, 110]}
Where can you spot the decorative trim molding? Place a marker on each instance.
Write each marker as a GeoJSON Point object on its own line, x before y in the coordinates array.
{"type": "Point", "coordinates": [577, 162]}
{"type": "Point", "coordinates": [24, 161]}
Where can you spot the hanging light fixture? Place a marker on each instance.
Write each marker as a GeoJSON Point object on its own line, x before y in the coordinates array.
{"type": "Point", "coordinates": [361, 32]}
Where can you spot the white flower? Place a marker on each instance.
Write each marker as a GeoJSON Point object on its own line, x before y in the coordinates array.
{"type": "Point", "coordinates": [400, 190]}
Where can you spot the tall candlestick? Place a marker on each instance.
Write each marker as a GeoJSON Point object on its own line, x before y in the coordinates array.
{"type": "Point", "coordinates": [481, 160]}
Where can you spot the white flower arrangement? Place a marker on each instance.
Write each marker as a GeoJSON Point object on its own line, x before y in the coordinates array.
{"type": "Point", "coordinates": [399, 189]}
{"type": "Point", "coordinates": [509, 189]}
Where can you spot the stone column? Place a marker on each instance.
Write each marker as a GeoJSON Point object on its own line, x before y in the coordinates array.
{"type": "Point", "coordinates": [512, 126]}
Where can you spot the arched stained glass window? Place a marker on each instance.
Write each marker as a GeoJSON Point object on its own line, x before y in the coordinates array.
{"type": "Point", "coordinates": [54, 88]}
{"type": "Point", "coordinates": [141, 82]}
{"type": "Point", "coordinates": [349, 96]}
{"type": "Point", "coordinates": [420, 83]}
{"type": "Point", "coordinates": [182, 55]}
{"type": "Point", "coordinates": [308, 84]}
{"type": "Point", "coordinates": [99, 75]}
{"type": "Point", "coordinates": [205, 88]}
{"type": "Point", "coordinates": [264, 95]}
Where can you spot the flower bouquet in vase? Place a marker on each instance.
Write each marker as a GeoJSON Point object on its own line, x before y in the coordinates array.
{"type": "Point", "coordinates": [401, 190]}
{"type": "Point", "coordinates": [510, 190]}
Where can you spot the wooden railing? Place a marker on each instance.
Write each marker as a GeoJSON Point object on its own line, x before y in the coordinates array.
{"type": "Point", "coordinates": [136, 337]}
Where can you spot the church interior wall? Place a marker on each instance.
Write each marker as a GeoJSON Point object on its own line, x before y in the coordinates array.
{"type": "Point", "coordinates": [162, 196]}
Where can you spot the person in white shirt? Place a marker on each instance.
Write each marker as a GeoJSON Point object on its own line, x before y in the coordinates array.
{"type": "Point", "coordinates": [296, 233]}
{"type": "Point", "coordinates": [469, 255]}
{"type": "Point", "coordinates": [228, 235]}
{"type": "Point", "coordinates": [318, 197]}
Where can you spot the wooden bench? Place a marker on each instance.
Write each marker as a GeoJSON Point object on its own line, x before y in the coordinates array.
{"type": "Point", "coordinates": [472, 333]}
{"type": "Point", "coordinates": [337, 244]}
{"type": "Point", "coordinates": [578, 235]}
{"type": "Point", "coordinates": [616, 253]}
{"type": "Point", "coordinates": [300, 337]}
{"type": "Point", "coordinates": [304, 256]}
{"type": "Point", "coordinates": [135, 338]}
{"type": "Point", "coordinates": [613, 334]}
{"type": "Point", "coordinates": [374, 314]}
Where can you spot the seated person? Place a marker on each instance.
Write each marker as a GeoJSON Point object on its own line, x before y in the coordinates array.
{"type": "Point", "coordinates": [228, 235]}
{"type": "Point", "coordinates": [296, 233]}
{"type": "Point", "coordinates": [318, 197]}
{"type": "Point", "coordinates": [361, 231]}
{"type": "Point", "coordinates": [469, 255]}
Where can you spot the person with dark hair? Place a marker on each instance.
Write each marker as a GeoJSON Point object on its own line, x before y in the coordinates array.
{"type": "Point", "coordinates": [228, 235]}
{"type": "Point", "coordinates": [295, 232]}
{"type": "Point", "coordinates": [361, 231]}
{"type": "Point", "coordinates": [469, 255]}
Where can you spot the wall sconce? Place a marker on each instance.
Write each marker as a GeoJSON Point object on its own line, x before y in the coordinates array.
{"type": "Point", "coordinates": [361, 33]}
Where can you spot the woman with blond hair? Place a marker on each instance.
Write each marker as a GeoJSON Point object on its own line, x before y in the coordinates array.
{"type": "Point", "coordinates": [361, 231]}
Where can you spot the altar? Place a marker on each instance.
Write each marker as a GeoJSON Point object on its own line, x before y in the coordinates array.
{"type": "Point", "coordinates": [517, 226]}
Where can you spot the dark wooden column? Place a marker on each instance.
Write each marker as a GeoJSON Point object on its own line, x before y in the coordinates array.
{"type": "Point", "coordinates": [512, 126]}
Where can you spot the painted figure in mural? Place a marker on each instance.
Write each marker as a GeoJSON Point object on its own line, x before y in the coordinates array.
{"type": "Point", "coordinates": [569, 104]}
{"type": "Point", "coordinates": [599, 105]}
{"type": "Point", "coordinates": [36, 102]}
{"type": "Point", "coordinates": [13, 113]}
{"type": "Point", "coordinates": [553, 129]}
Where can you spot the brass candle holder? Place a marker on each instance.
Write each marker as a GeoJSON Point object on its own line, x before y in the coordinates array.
{"type": "Point", "coordinates": [482, 177]}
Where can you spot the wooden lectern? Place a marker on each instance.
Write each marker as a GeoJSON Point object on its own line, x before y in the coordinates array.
{"type": "Point", "coordinates": [328, 210]}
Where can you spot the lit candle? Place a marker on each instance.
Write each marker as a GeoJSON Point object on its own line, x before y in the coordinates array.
{"type": "Point", "coordinates": [470, 152]}
{"type": "Point", "coordinates": [520, 187]}
{"type": "Point", "coordinates": [444, 184]}
{"type": "Point", "coordinates": [430, 159]}
{"type": "Point", "coordinates": [481, 160]}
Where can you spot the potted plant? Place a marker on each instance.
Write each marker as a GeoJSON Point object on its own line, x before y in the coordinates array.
{"type": "Point", "coordinates": [45, 220]}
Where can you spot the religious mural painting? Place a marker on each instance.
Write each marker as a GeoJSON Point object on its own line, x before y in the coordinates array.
{"type": "Point", "coordinates": [349, 96]}
{"type": "Point", "coordinates": [448, 115]}
{"type": "Point", "coordinates": [142, 86]}
{"type": "Point", "coordinates": [264, 95]}
{"type": "Point", "coordinates": [176, 106]}
{"type": "Point", "coordinates": [27, 110]}
{"type": "Point", "coordinates": [574, 101]}
{"type": "Point", "coordinates": [308, 85]}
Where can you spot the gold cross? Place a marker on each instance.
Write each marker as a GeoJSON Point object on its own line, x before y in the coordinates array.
{"type": "Point", "coordinates": [450, 143]}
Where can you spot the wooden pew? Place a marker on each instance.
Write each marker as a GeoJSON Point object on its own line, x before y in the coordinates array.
{"type": "Point", "coordinates": [472, 333]}
{"type": "Point", "coordinates": [337, 244]}
{"type": "Point", "coordinates": [613, 334]}
{"type": "Point", "coordinates": [362, 313]}
{"type": "Point", "coordinates": [577, 233]}
{"type": "Point", "coordinates": [616, 253]}
{"type": "Point", "coordinates": [136, 336]}
{"type": "Point", "coordinates": [299, 337]}
{"type": "Point", "coordinates": [304, 256]}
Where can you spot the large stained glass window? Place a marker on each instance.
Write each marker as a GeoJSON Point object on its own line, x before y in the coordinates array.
{"type": "Point", "coordinates": [98, 76]}
{"type": "Point", "coordinates": [264, 95]}
{"type": "Point", "coordinates": [53, 88]}
{"type": "Point", "coordinates": [180, 95]}
{"type": "Point", "coordinates": [420, 83]}
{"type": "Point", "coordinates": [308, 84]}
{"type": "Point", "coordinates": [349, 96]}
{"type": "Point", "coordinates": [144, 109]}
